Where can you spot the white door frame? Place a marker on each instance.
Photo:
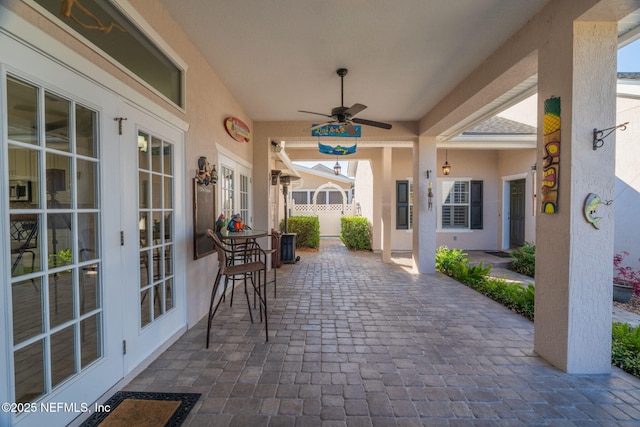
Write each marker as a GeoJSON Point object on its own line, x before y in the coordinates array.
{"type": "Point", "coordinates": [506, 206]}
{"type": "Point", "coordinates": [142, 343]}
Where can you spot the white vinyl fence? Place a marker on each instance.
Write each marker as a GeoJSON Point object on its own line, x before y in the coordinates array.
{"type": "Point", "coordinates": [328, 215]}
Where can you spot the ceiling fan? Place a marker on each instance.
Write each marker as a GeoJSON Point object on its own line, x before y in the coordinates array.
{"type": "Point", "coordinates": [344, 115]}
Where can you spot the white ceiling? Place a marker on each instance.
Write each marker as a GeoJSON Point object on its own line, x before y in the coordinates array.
{"type": "Point", "coordinates": [280, 56]}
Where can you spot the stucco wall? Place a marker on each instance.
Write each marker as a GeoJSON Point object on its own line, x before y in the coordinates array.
{"type": "Point", "coordinates": [475, 165]}
{"type": "Point", "coordinates": [627, 187]}
{"type": "Point", "coordinates": [311, 181]}
{"type": "Point", "coordinates": [363, 189]}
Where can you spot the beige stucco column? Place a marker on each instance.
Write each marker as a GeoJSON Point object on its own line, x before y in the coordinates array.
{"type": "Point", "coordinates": [573, 258]}
{"type": "Point", "coordinates": [388, 191]}
{"type": "Point", "coordinates": [262, 212]}
{"type": "Point", "coordinates": [424, 217]}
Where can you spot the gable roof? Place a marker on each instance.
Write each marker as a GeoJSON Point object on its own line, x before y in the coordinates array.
{"type": "Point", "coordinates": [500, 126]}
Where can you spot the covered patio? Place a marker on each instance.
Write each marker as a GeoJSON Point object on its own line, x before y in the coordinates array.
{"type": "Point", "coordinates": [357, 342]}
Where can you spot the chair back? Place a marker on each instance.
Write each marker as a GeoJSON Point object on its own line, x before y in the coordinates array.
{"type": "Point", "coordinates": [24, 231]}
{"type": "Point", "coordinates": [220, 249]}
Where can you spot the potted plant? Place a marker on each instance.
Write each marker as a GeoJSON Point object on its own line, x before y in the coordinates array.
{"type": "Point", "coordinates": [626, 281]}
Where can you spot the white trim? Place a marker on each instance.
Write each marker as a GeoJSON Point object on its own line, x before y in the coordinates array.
{"type": "Point", "coordinates": [506, 206]}
{"type": "Point", "coordinates": [522, 175]}
{"type": "Point", "coordinates": [440, 203]}
{"type": "Point", "coordinates": [27, 34]}
{"type": "Point", "coordinates": [230, 155]}
{"type": "Point", "coordinates": [130, 13]}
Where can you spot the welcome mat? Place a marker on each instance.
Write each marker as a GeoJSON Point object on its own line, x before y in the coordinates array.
{"type": "Point", "coordinates": [143, 409]}
{"type": "Point", "coordinates": [501, 254]}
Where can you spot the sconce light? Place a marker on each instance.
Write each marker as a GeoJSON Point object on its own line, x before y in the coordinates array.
{"type": "Point", "coordinates": [427, 173]}
{"type": "Point", "coordinates": [275, 174]}
{"type": "Point", "coordinates": [446, 168]}
{"type": "Point", "coordinates": [337, 168]}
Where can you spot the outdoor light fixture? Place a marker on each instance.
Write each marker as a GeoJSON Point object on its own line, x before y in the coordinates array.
{"type": "Point", "coordinates": [427, 173]}
{"type": "Point", "coordinates": [336, 168]}
{"type": "Point", "coordinates": [446, 168]}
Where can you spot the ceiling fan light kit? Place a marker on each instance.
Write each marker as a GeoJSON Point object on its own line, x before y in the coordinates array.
{"type": "Point", "coordinates": [344, 115]}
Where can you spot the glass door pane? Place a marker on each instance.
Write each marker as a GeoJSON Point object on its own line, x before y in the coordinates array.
{"type": "Point", "coordinates": [56, 284]}
{"type": "Point", "coordinates": [155, 223]}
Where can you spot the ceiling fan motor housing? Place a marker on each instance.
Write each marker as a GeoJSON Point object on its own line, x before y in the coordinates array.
{"type": "Point", "coordinates": [339, 114]}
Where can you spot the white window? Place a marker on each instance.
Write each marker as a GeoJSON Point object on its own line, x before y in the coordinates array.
{"type": "Point", "coordinates": [455, 204]}
{"type": "Point", "coordinates": [235, 188]}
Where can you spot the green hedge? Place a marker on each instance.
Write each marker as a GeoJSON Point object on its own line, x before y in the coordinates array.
{"type": "Point", "coordinates": [356, 232]}
{"type": "Point", "coordinates": [307, 229]}
{"type": "Point", "coordinates": [454, 263]}
{"type": "Point", "coordinates": [625, 347]}
{"type": "Point", "coordinates": [524, 260]}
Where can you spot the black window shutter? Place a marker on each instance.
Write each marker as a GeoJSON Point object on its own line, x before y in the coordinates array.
{"type": "Point", "coordinates": [476, 205]}
{"type": "Point", "coordinates": [402, 205]}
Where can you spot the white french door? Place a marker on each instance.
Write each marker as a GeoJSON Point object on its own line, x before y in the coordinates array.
{"type": "Point", "coordinates": [152, 218]}
{"type": "Point", "coordinates": [61, 324]}
{"type": "Point", "coordinates": [92, 279]}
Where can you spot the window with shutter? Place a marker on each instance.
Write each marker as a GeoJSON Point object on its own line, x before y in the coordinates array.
{"type": "Point", "coordinates": [461, 204]}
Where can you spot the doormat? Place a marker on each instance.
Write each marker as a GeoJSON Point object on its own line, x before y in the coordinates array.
{"type": "Point", "coordinates": [501, 254]}
{"type": "Point", "coordinates": [143, 409]}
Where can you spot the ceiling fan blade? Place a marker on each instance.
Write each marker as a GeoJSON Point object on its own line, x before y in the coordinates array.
{"type": "Point", "coordinates": [351, 131]}
{"type": "Point", "coordinates": [312, 112]}
{"type": "Point", "coordinates": [355, 109]}
{"type": "Point", "coordinates": [314, 127]}
{"type": "Point", "coordinates": [372, 123]}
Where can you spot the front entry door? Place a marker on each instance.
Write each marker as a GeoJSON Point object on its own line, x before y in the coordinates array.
{"type": "Point", "coordinates": [152, 217]}
{"type": "Point", "coordinates": [516, 216]}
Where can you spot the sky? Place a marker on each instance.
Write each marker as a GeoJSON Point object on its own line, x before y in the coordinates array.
{"type": "Point", "coordinates": [629, 57]}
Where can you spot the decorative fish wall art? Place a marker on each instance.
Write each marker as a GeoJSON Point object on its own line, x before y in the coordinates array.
{"type": "Point", "coordinates": [591, 203]}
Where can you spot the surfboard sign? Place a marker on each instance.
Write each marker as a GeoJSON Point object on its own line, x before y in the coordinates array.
{"type": "Point", "coordinates": [237, 129]}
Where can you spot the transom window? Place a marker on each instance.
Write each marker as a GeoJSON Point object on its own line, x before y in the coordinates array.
{"type": "Point", "coordinates": [101, 23]}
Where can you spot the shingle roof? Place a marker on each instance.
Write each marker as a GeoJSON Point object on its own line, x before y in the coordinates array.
{"type": "Point", "coordinates": [500, 126]}
{"type": "Point", "coordinates": [629, 76]}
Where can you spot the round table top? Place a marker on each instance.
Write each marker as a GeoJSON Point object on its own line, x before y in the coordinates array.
{"type": "Point", "coordinates": [242, 234]}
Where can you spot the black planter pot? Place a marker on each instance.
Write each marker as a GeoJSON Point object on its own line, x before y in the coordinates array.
{"type": "Point", "coordinates": [622, 293]}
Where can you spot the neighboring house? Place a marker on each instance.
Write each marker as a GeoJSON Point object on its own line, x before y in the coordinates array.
{"type": "Point", "coordinates": [322, 193]}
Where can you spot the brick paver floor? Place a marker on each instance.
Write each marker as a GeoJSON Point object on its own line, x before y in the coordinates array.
{"type": "Point", "coordinates": [356, 342]}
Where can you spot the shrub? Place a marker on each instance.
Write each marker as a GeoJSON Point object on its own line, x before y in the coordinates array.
{"type": "Point", "coordinates": [355, 232]}
{"type": "Point", "coordinates": [625, 349]}
{"type": "Point", "coordinates": [447, 259]}
{"type": "Point", "coordinates": [307, 229]}
{"type": "Point", "coordinates": [453, 262]}
{"type": "Point", "coordinates": [524, 260]}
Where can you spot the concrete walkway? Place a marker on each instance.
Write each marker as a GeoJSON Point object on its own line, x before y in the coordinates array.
{"type": "Point", "coordinates": [356, 342]}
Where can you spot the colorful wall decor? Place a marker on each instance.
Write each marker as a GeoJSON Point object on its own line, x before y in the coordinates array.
{"type": "Point", "coordinates": [338, 150]}
{"type": "Point", "coordinates": [336, 130]}
{"type": "Point", "coordinates": [551, 157]}
{"type": "Point", "coordinates": [237, 129]}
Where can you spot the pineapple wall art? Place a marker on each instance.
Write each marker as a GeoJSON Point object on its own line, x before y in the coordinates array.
{"type": "Point", "coordinates": [551, 156]}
